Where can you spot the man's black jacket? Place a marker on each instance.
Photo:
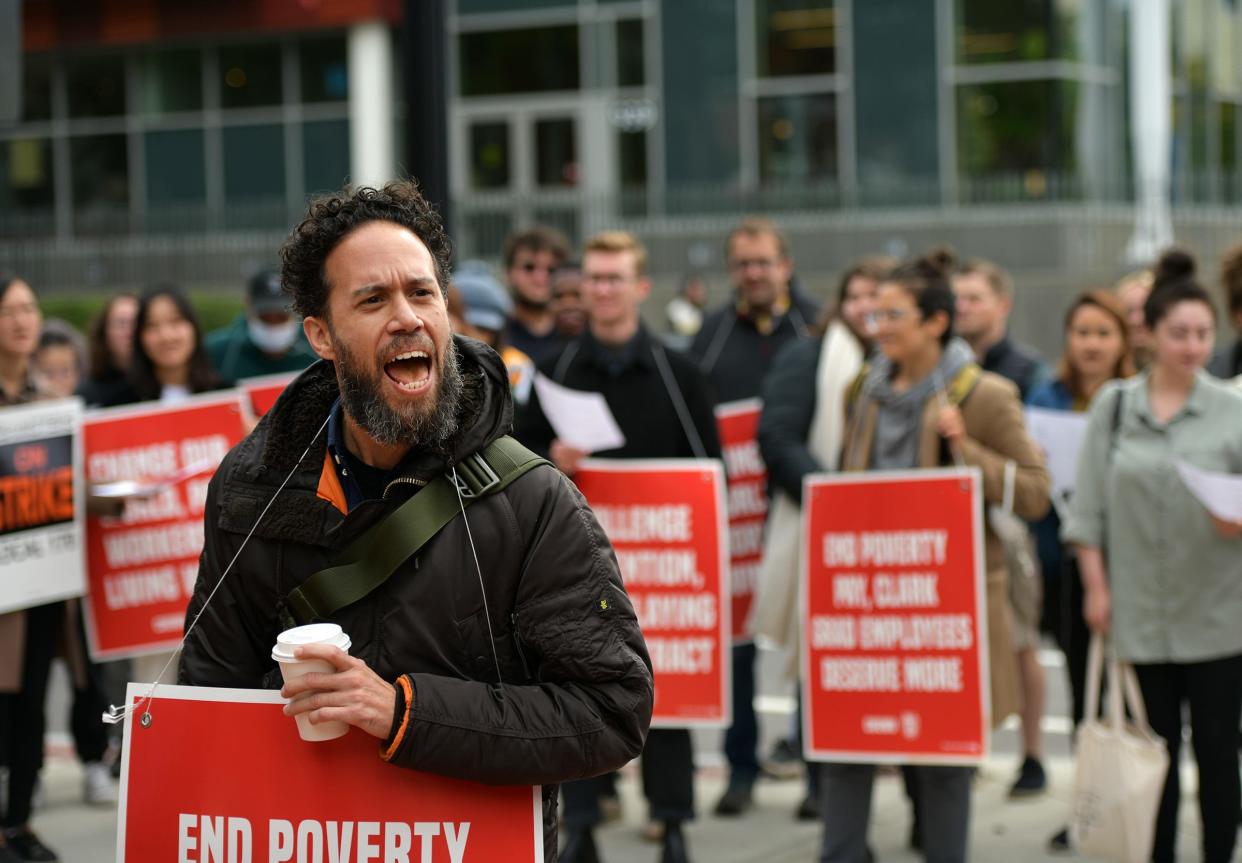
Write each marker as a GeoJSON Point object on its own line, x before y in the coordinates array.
{"type": "Point", "coordinates": [576, 693]}
{"type": "Point", "coordinates": [638, 395]}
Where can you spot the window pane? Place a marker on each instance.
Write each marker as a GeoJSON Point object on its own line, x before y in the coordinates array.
{"type": "Point", "coordinates": [797, 138]}
{"type": "Point", "coordinates": [324, 71]}
{"type": "Point", "coordinates": [96, 86]}
{"type": "Point", "coordinates": [325, 156]}
{"type": "Point", "coordinates": [795, 37]}
{"type": "Point", "coordinates": [489, 155]}
{"type": "Point", "coordinates": [1017, 30]}
{"type": "Point", "coordinates": [175, 167]}
{"type": "Point", "coordinates": [250, 75]}
{"type": "Point", "coordinates": [632, 162]}
{"type": "Point", "coordinates": [26, 195]}
{"type": "Point", "coordinates": [533, 60]}
{"type": "Point", "coordinates": [100, 183]}
{"type": "Point", "coordinates": [556, 160]}
{"type": "Point", "coordinates": [1017, 137]}
{"type": "Point", "coordinates": [630, 66]}
{"type": "Point", "coordinates": [254, 176]}
{"type": "Point", "coordinates": [36, 88]}
{"type": "Point", "coordinates": [172, 81]}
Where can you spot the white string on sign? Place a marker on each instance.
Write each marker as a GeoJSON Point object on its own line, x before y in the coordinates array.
{"type": "Point", "coordinates": [116, 714]}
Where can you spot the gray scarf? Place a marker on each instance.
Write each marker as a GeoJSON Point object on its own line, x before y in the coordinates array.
{"type": "Point", "coordinates": [900, 417]}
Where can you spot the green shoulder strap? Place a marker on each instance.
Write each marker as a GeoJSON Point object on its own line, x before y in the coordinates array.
{"type": "Point", "coordinates": [373, 557]}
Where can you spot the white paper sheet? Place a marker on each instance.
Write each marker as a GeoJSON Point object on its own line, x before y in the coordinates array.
{"type": "Point", "coordinates": [1060, 435]}
{"type": "Point", "coordinates": [580, 419]}
{"type": "Point", "coordinates": [1221, 493]}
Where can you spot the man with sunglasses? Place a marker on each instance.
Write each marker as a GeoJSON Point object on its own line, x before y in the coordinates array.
{"type": "Point", "coordinates": [530, 257]}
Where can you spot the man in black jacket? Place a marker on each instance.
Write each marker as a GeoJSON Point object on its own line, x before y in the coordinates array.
{"type": "Point", "coordinates": [664, 409]}
{"type": "Point", "coordinates": [505, 650]}
{"type": "Point", "coordinates": [735, 349]}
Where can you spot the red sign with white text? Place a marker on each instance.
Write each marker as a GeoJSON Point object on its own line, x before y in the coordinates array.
{"type": "Point", "coordinates": [738, 423]}
{"type": "Point", "coordinates": [666, 521]}
{"type": "Point", "coordinates": [221, 776]}
{"type": "Point", "coordinates": [894, 626]}
{"type": "Point", "coordinates": [263, 391]}
{"type": "Point", "coordinates": [141, 566]}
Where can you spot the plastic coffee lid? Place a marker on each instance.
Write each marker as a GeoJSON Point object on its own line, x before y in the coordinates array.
{"type": "Point", "coordinates": [314, 633]}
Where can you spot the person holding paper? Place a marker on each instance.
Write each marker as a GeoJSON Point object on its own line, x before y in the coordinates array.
{"type": "Point", "coordinates": [923, 402]}
{"type": "Point", "coordinates": [500, 649]}
{"type": "Point", "coordinates": [662, 405]}
{"type": "Point", "coordinates": [1097, 350]}
{"type": "Point", "coordinates": [1160, 573]}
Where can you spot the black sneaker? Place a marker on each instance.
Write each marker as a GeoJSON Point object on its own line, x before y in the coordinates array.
{"type": "Point", "coordinates": [1060, 842]}
{"type": "Point", "coordinates": [28, 848]}
{"type": "Point", "coordinates": [808, 809]}
{"type": "Point", "coordinates": [1031, 779]}
{"type": "Point", "coordinates": [734, 801]}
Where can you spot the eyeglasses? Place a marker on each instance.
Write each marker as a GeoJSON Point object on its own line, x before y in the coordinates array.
{"type": "Point", "coordinates": [18, 310]}
{"type": "Point", "coordinates": [890, 316]}
{"type": "Point", "coordinates": [532, 267]}
{"type": "Point", "coordinates": [612, 280]}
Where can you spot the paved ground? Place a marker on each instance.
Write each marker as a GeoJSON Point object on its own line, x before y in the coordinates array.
{"type": "Point", "coordinates": [1002, 831]}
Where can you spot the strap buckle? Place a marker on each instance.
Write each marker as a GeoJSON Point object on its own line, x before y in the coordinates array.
{"type": "Point", "coordinates": [475, 477]}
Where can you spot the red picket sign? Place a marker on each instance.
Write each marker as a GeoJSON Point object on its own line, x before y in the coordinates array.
{"type": "Point", "coordinates": [738, 423]}
{"type": "Point", "coordinates": [221, 776]}
{"type": "Point", "coordinates": [666, 521]}
{"type": "Point", "coordinates": [263, 391]}
{"type": "Point", "coordinates": [893, 618]}
{"type": "Point", "coordinates": [141, 567]}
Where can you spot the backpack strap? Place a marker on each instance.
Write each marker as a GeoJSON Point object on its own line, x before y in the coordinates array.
{"type": "Point", "coordinates": [372, 558]}
{"type": "Point", "coordinates": [963, 383]}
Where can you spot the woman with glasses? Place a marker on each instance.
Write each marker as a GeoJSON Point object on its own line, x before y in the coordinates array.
{"type": "Point", "coordinates": [1169, 590]}
{"type": "Point", "coordinates": [923, 403]}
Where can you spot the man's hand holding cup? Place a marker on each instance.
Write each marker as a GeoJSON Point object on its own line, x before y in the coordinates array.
{"type": "Point", "coordinates": [329, 689]}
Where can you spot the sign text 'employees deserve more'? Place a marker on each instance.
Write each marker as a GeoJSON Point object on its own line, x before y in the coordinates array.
{"type": "Point", "coordinates": [894, 622]}
{"type": "Point", "coordinates": [328, 802]}
{"type": "Point", "coordinates": [666, 521]}
{"type": "Point", "coordinates": [142, 565]}
{"type": "Point", "coordinates": [738, 423]}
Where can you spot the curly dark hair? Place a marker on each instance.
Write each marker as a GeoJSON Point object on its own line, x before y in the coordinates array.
{"type": "Point", "coordinates": [330, 218]}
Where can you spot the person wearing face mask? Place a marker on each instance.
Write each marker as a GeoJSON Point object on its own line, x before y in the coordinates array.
{"type": "Point", "coordinates": [266, 340]}
{"type": "Point", "coordinates": [1163, 576]}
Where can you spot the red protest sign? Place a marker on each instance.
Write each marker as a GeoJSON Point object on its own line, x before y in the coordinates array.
{"type": "Point", "coordinates": [666, 521]}
{"type": "Point", "coordinates": [221, 776]}
{"type": "Point", "coordinates": [894, 620]}
{"type": "Point", "coordinates": [141, 567]}
{"type": "Point", "coordinates": [263, 391]}
{"type": "Point", "coordinates": [738, 423]}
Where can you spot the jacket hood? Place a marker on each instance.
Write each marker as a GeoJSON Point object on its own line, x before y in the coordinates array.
{"type": "Point", "coordinates": [283, 436]}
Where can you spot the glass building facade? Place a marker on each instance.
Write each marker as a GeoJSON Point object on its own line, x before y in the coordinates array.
{"type": "Point", "coordinates": [584, 113]}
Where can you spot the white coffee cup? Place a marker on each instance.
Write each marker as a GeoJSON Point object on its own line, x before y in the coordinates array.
{"type": "Point", "coordinates": [290, 667]}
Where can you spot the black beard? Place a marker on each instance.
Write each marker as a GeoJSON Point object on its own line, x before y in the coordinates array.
{"type": "Point", "coordinates": [427, 425]}
{"type": "Point", "coordinates": [531, 305]}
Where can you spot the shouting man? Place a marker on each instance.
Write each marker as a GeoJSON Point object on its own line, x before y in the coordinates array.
{"type": "Point", "coordinates": [504, 650]}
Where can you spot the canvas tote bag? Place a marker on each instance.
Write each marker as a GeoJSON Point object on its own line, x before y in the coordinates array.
{"type": "Point", "coordinates": [1120, 771]}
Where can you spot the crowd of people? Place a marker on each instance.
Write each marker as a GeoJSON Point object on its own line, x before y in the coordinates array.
{"type": "Point", "coordinates": [910, 365]}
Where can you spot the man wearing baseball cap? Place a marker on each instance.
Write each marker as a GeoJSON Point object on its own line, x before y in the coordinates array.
{"type": "Point", "coordinates": [266, 340]}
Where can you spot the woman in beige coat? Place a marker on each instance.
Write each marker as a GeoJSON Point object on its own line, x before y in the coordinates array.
{"type": "Point", "coordinates": [924, 403]}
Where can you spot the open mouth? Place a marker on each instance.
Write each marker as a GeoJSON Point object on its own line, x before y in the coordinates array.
{"type": "Point", "coordinates": [411, 371]}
